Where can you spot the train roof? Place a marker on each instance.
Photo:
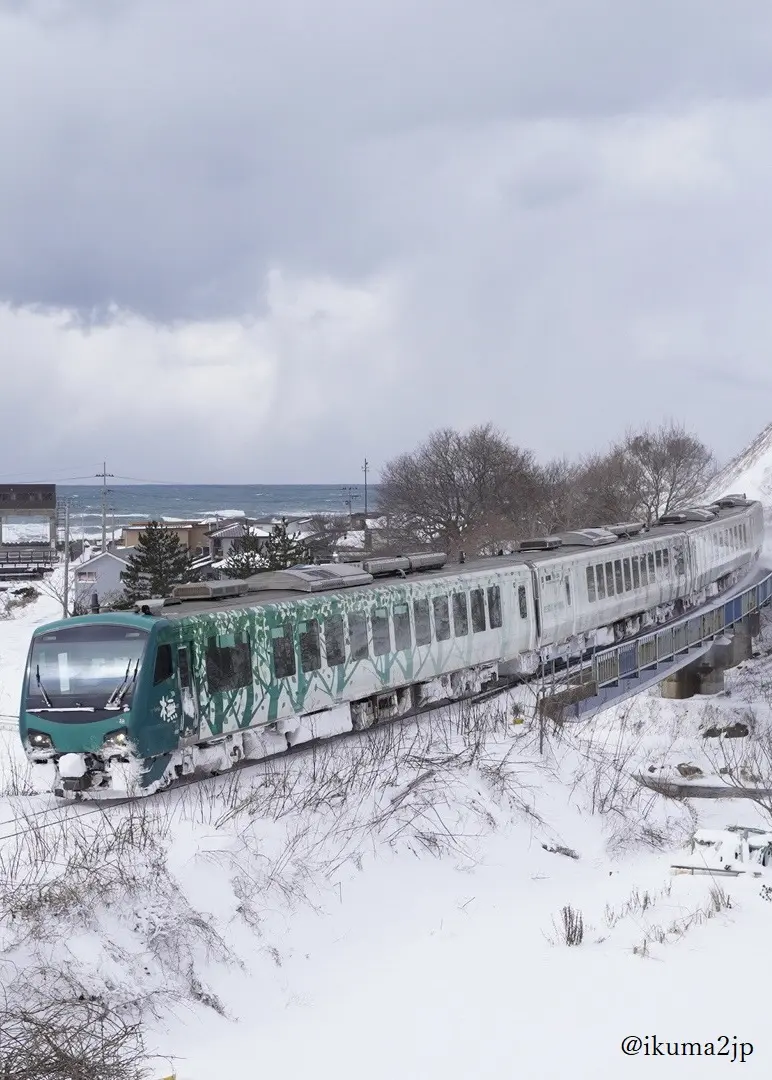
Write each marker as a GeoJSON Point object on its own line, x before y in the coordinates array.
{"type": "Point", "coordinates": [353, 578]}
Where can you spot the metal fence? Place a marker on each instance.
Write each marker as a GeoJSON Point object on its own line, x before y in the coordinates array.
{"type": "Point", "coordinates": [635, 658]}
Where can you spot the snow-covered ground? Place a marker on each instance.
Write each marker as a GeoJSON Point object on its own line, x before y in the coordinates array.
{"type": "Point", "coordinates": [391, 906]}
{"type": "Point", "coordinates": [387, 907]}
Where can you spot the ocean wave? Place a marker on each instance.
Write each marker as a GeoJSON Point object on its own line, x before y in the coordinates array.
{"type": "Point", "coordinates": [222, 514]}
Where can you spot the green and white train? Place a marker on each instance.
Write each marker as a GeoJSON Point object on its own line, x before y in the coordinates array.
{"type": "Point", "coordinates": [125, 702]}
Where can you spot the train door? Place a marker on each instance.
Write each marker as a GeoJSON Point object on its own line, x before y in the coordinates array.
{"type": "Point", "coordinates": [191, 717]}
{"type": "Point", "coordinates": [556, 603]}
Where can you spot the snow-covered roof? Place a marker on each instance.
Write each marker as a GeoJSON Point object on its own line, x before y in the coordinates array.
{"type": "Point", "coordinates": [354, 538]}
{"type": "Point", "coordinates": [236, 531]}
{"type": "Point", "coordinates": [172, 525]}
{"type": "Point", "coordinates": [103, 555]}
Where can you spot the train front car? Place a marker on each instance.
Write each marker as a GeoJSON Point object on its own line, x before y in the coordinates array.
{"type": "Point", "coordinates": [89, 719]}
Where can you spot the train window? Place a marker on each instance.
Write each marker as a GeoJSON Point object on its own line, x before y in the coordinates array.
{"type": "Point", "coordinates": [744, 534]}
{"type": "Point", "coordinates": [658, 557]}
{"type": "Point", "coordinates": [568, 592]}
{"type": "Point", "coordinates": [283, 647]}
{"type": "Point", "coordinates": [441, 618]}
{"type": "Point", "coordinates": [628, 575]}
{"type": "Point", "coordinates": [600, 582]}
{"type": "Point", "coordinates": [184, 668]}
{"type": "Point", "coordinates": [423, 624]}
{"type": "Point", "coordinates": [651, 567]}
{"type": "Point", "coordinates": [494, 606]}
{"type": "Point", "coordinates": [618, 576]}
{"type": "Point", "coordinates": [381, 632]}
{"type": "Point", "coordinates": [229, 663]}
{"type": "Point", "coordinates": [665, 559]}
{"type": "Point", "coordinates": [644, 577]}
{"type": "Point", "coordinates": [403, 636]}
{"type": "Point", "coordinates": [610, 578]}
{"type": "Point", "coordinates": [163, 664]}
{"type": "Point", "coordinates": [334, 641]}
{"type": "Point", "coordinates": [460, 614]}
{"type": "Point", "coordinates": [357, 633]}
{"type": "Point", "coordinates": [522, 603]}
{"type": "Point", "coordinates": [590, 572]}
{"type": "Point", "coordinates": [310, 648]}
{"type": "Point", "coordinates": [636, 572]}
{"type": "Point", "coordinates": [477, 598]}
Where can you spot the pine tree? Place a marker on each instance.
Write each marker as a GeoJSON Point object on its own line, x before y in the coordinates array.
{"type": "Point", "coordinates": [245, 557]}
{"type": "Point", "coordinates": [158, 563]}
{"type": "Point", "coordinates": [281, 551]}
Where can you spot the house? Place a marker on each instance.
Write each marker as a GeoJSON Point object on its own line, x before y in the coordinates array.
{"type": "Point", "coordinates": [223, 539]}
{"type": "Point", "coordinates": [101, 574]}
{"type": "Point", "coordinates": [195, 536]}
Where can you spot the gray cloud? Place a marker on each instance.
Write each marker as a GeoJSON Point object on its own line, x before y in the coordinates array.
{"type": "Point", "coordinates": [549, 215]}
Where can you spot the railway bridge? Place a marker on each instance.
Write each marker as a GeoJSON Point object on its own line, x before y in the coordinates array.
{"type": "Point", "coordinates": [688, 656]}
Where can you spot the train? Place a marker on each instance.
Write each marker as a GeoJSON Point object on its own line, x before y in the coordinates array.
{"type": "Point", "coordinates": [124, 703]}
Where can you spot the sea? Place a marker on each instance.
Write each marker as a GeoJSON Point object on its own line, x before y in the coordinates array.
{"type": "Point", "coordinates": [148, 502]}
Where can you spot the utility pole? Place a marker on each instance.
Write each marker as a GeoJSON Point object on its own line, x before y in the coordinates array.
{"type": "Point", "coordinates": [66, 590]}
{"type": "Point", "coordinates": [103, 476]}
{"type": "Point", "coordinates": [350, 495]}
{"type": "Point", "coordinates": [365, 467]}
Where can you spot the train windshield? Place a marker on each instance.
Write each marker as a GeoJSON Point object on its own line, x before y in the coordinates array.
{"type": "Point", "coordinates": [85, 667]}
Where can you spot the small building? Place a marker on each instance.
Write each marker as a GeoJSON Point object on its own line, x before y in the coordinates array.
{"type": "Point", "coordinates": [223, 539]}
{"type": "Point", "coordinates": [195, 536]}
{"type": "Point", "coordinates": [28, 520]}
{"type": "Point", "coordinates": [101, 575]}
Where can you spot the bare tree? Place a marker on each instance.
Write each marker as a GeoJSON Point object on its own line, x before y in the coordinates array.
{"type": "Point", "coordinates": [448, 489]}
{"type": "Point", "coordinates": [326, 531]}
{"type": "Point", "coordinates": [672, 467]}
{"type": "Point", "coordinates": [560, 497]}
{"type": "Point", "coordinates": [607, 489]}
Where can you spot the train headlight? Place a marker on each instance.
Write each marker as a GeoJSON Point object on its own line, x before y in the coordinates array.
{"type": "Point", "coordinates": [38, 740]}
{"type": "Point", "coordinates": [116, 740]}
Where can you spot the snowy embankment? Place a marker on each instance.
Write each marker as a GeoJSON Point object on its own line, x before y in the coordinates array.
{"type": "Point", "coordinates": [390, 905]}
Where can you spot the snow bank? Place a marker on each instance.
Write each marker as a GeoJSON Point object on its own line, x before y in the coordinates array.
{"type": "Point", "coordinates": [750, 472]}
{"type": "Point", "coordinates": [392, 903]}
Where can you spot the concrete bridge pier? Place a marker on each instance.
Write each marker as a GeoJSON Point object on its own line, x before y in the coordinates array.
{"type": "Point", "coordinates": [706, 675]}
{"type": "Point", "coordinates": [742, 638]}
{"type": "Point", "coordinates": [684, 683]}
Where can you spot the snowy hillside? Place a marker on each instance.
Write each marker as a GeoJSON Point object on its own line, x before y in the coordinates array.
{"type": "Point", "coordinates": [749, 472]}
{"type": "Point", "coordinates": [393, 905]}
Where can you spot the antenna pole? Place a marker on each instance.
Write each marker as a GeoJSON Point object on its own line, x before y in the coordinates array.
{"type": "Point", "coordinates": [365, 467]}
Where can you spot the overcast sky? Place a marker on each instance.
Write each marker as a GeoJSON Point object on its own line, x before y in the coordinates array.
{"type": "Point", "coordinates": [243, 241]}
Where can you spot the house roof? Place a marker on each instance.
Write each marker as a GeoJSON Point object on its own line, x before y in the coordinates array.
{"type": "Point", "coordinates": [175, 525]}
{"type": "Point", "coordinates": [236, 531]}
{"type": "Point", "coordinates": [102, 555]}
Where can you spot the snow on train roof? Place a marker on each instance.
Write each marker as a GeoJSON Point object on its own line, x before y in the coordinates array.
{"type": "Point", "coordinates": [291, 584]}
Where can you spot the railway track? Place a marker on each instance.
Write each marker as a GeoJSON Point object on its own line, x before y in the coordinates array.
{"type": "Point", "coordinates": [62, 811]}
{"type": "Point", "coordinates": [84, 808]}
